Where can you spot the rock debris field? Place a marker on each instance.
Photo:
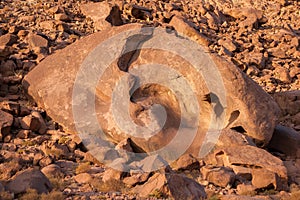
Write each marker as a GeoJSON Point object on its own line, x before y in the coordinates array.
{"type": "Point", "coordinates": [250, 51]}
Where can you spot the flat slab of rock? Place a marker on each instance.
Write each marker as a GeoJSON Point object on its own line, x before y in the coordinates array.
{"type": "Point", "coordinates": [51, 84]}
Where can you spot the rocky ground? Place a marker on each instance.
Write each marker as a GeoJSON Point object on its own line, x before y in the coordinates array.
{"type": "Point", "coordinates": [259, 37]}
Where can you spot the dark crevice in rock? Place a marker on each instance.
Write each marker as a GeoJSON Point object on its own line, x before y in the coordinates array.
{"type": "Point", "coordinates": [246, 165]}
{"type": "Point", "coordinates": [114, 16]}
{"type": "Point", "coordinates": [239, 129]}
{"type": "Point", "coordinates": [213, 99]}
{"type": "Point", "coordinates": [234, 115]}
{"type": "Point", "coordinates": [131, 49]}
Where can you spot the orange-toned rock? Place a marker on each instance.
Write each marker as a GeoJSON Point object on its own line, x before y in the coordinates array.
{"type": "Point", "coordinates": [248, 108]}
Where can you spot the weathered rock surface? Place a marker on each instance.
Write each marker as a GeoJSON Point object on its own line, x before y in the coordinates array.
{"type": "Point", "coordinates": [8, 39]}
{"type": "Point", "coordinates": [244, 160]}
{"type": "Point", "coordinates": [285, 140]}
{"type": "Point", "coordinates": [30, 178]}
{"type": "Point", "coordinates": [52, 170]}
{"type": "Point", "coordinates": [219, 176]}
{"type": "Point", "coordinates": [6, 121]}
{"type": "Point", "coordinates": [177, 186]}
{"type": "Point", "coordinates": [256, 116]}
{"type": "Point", "coordinates": [289, 102]}
{"type": "Point", "coordinates": [103, 15]}
{"type": "Point", "coordinates": [264, 43]}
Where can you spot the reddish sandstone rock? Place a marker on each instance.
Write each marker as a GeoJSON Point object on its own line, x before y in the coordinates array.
{"type": "Point", "coordinates": [248, 107]}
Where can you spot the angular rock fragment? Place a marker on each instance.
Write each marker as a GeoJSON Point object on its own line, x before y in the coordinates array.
{"type": "Point", "coordinates": [42, 128]}
{"type": "Point", "coordinates": [37, 41]}
{"type": "Point", "coordinates": [102, 14]}
{"type": "Point", "coordinates": [219, 176]}
{"type": "Point", "coordinates": [30, 178]}
{"type": "Point", "coordinates": [289, 101]}
{"type": "Point", "coordinates": [135, 179]}
{"type": "Point", "coordinates": [30, 122]}
{"type": "Point", "coordinates": [228, 44]}
{"type": "Point", "coordinates": [265, 179]}
{"type": "Point", "coordinates": [175, 185]}
{"type": "Point", "coordinates": [186, 162]}
{"type": "Point", "coordinates": [6, 121]}
{"type": "Point", "coordinates": [10, 107]}
{"type": "Point", "coordinates": [184, 28]}
{"type": "Point", "coordinates": [8, 40]}
{"type": "Point", "coordinates": [83, 178]}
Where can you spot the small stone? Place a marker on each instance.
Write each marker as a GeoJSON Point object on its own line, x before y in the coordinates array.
{"type": "Point", "coordinates": [289, 101]}
{"type": "Point", "coordinates": [36, 41]}
{"type": "Point", "coordinates": [66, 166]}
{"type": "Point", "coordinates": [27, 66]}
{"type": "Point", "coordinates": [45, 161]}
{"type": "Point", "coordinates": [43, 128]}
{"type": "Point", "coordinates": [6, 121]}
{"type": "Point", "coordinates": [246, 189]}
{"type": "Point", "coordinates": [15, 29]}
{"type": "Point", "coordinates": [27, 18]}
{"type": "Point", "coordinates": [98, 12]}
{"type": "Point", "coordinates": [61, 17]}
{"type": "Point", "coordinates": [63, 27]}
{"type": "Point", "coordinates": [277, 52]}
{"type": "Point", "coordinates": [228, 44]}
{"type": "Point", "coordinates": [30, 122]}
{"type": "Point", "coordinates": [150, 163]}
{"type": "Point", "coordinates": [252, 70]}
{"type": "Point", "coordinates": [8, 68]}
{"type": "Point", "coordinates": [83, 178]}
{"type": "Point", "coordinates": [136, 179]}
{"type": "Point", "coordinates": [187, 162]}
{"type": "Point", "coordinates": [58, 150]}
{"type": "Point", "coordinates": [219, 176]}
{"type": "Point", "coordinates": [52, 170]}
{"type": "Point", "coordinates": [10, 107]}
{"type": "Point", "coordinates": [55, 9]}
{"type": "Point", "coordinates": [23, 33]}
{"type": "Point", "coordinates": [282, 74]}
{"type": "Point", "coordinates": [48, 25]}
{"type": "Point", "coordinates": [24, 111]}
{"type": "Point", "coordinates": [184, 28]}
{"type": "Point", "coordinates": [294, 71]}
{"type": "Point", "coordinates": [37, 157]}
{"type": "Point", "coordinates": [111, 174]}
{"type": "Point", "coordinates": [8, 39]}
{"type": "Point", "coordinates": [9, 168]}
{"type": "Point", "coordinates": [23, 134]}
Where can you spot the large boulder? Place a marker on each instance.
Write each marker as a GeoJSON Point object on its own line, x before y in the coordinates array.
{"type": "Point", "coordinates": [244, 105]}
